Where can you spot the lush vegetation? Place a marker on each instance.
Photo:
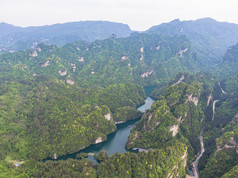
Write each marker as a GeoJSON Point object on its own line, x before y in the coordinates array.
{"type": "Point", "coordinates": [154, 163]}
{"type": "Point", "coordinates": [232, 173]}
{"type": "Point", "coordinates": [144, 59]}
{"type": "Point", "coordinates": [220, 135]}
{"type": "Point", "coordinates": [65, 168]}
{"type": "Point", "coordinates": [102, 156]}
{"type": "Point", "coordinates": [209, 38]}
{"type": "Point", "coordinates": [58, 100]}
{"type": "Point", "coordinates": [44, 117]}
{"type": "Point", "coordinates": [55, 101]}
{"type": "Point", "coordinates": [225, 157]}
{"type": "Point", "coordinates": [177, 116]}
{"type": "Point", "coordinates": [229, 64]}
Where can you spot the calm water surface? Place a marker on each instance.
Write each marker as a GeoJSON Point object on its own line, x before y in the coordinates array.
{"type": "Point", "coordinates": [116, 141]}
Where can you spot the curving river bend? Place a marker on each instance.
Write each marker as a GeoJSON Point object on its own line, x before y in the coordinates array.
{"type": "Point", "coordinates": [115, 141]}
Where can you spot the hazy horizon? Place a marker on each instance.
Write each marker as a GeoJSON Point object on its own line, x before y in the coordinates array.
{"type": "Point", "coordinates": [110, 21]}
{"type": "Point", "coordinates": [139, 15]}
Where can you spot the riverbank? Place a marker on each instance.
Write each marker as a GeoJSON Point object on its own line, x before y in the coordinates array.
{"type": "Point", "coordinates": [115, 142]}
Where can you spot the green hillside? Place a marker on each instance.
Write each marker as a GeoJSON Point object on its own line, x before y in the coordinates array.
{"type": "Point", "coordinates": [142, 59]}
{"type": "Point", "coordinates": [209, 38]}
{"type": "Point", "coordinates": [58, 100]}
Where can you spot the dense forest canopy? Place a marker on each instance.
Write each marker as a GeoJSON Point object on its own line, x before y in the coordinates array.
{"type": "Point", "coordinates": [55, 101]}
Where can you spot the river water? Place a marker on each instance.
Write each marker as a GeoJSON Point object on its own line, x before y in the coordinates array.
{"type": "Point", "coordinates": [115, 141]}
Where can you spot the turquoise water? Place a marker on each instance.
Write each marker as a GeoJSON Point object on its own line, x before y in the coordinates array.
{"type": "Point", "coordinates": [148, 102]}
{"type": "Point", "coordinates": [115, 141]}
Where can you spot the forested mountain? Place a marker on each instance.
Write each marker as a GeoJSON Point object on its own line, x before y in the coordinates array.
{"type": "Point", "coordinates": [7, 29]}
{"type": "Point", "coordinates": [18, 38]}
{"type": "Point", "coordinates": [178, 116]}
{"type": "Point", "coordinates": [56, 101]}
{"type": "Point", "coordinates": [169, 131]}
{"type": "Point", "coordinates": [229, 65]}
{"type": "Point", "coordinates": [221, 136]}
{"type": "Point", "coordinates": [209, 38]}
{"type": "Point", "coordinates": [155, 163]}
{"type": "Point", "coordinates": [50, 114]}
{"type": "Point", "coordinates": [143, 59]}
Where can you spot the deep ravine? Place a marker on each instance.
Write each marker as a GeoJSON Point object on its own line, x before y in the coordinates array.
{"type": "Point", "coordinates": [195, 163]}
{"type": "Point", "coordinates": [214, 108]}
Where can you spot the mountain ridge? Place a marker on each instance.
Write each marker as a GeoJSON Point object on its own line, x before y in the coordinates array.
{"type": "Point", "coordinates": [209, 37]}
{"type": "Point", "coordinates": [60, 34]}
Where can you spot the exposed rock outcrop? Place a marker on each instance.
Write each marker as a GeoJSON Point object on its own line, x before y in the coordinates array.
{"type": "Point", "coordinates": [192, 99]}
{"type": "Point", "coordinates": [147, 74]}
{"type": "Point", "coordinates": [99, 140]}
{"type": "Point", "coordinates": [149, 118]}
{"type": "Point", "coordinates": [34, 54]}
{"type": "Point", "coordinates": [46, 64]}
{"type": "Point", "coordinates": [38, 49]}
{"type": "Point", "coordinates": [209, 99]}
{"type": "Point", "coordinates": [108, 116]}
{"type": "Point", "coordinates": [179, 81]}
{"type": "Point", "coordinates": [24, 67]}
{"type": "Point", "coordinates": [81, 59]}
{"type": "Point", "coordinates": [184, 158]}
{"type": "Point", "coordinates": [232, 144]}
{"type": "Point", "coordinates": [141, 57]}
{"type": "Point", "coordinates": [195, 163]}
{"type": "Point", "coordinates": [70, 81]}
{"type": "Point", "coordinates": [180, 120]}
{"type": "Point", "coordinates": [63, 72]}
{"type": "Point", "coordinates": [142, 49]}
{"type": "Point", "coordinates": [55, 156]}
{"type": "Point", "coordinates": [73, 66]}
{"type": "Point", "coordinates": [123, 58]}
{"type": "Point", "coordinates": [119, 122]}
{"type": "Point", "coordinates": [221, 88]}
{"type": "Point", "coordinates": [213, 108]}
{"type": "Point", "coordinates": [174, 129]}
{"type": "Point", "coordinates": [182, 51]}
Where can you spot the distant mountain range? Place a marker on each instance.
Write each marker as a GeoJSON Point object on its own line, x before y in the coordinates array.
{"type": "Point", "coordinates": [149, 58]}
{"type": "Point", "coordinates": [209, 37]}
{"type": "Point", "coordinates": [18, 38]}
{"type": "Point", "coordinates": [68, 85]}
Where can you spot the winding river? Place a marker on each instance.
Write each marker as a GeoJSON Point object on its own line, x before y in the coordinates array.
{"type": "Point", "coordinates": [115, 141]}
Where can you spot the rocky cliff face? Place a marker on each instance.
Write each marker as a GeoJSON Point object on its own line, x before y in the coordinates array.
{"type": "Point", "coordinates": [176, 117]}
{"type": "Point", "coordinates": [221, 135]}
